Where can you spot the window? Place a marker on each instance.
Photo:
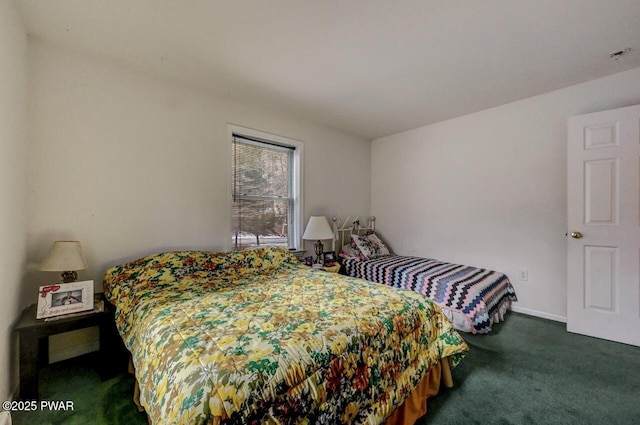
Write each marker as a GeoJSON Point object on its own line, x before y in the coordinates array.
{"type": "Point", "coordinates": [265, 189]}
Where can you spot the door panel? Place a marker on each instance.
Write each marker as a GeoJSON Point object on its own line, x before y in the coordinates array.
{"type": "Point", "coordinates": [600, 277]}
{"type": "Point", "coordinates": [601, 192]}
{"type": "Point", "coordinates": [601, 136]}
{"type": "Point", "coordinates": [603, 195]}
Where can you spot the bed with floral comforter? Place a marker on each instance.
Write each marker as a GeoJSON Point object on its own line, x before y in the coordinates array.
{"type": "Point", "coordinates": [256, 337]}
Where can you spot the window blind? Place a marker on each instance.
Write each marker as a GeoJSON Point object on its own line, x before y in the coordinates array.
{"type": "Point", "coordinates": [262, 193]}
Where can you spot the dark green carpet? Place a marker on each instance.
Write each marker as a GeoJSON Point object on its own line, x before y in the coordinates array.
{"type": "Point", "coordinates": [531, 371]}
{"type": "Point", "coordinates": [95, 402]}
{"type": "Point", "coordinates": [528, 371]}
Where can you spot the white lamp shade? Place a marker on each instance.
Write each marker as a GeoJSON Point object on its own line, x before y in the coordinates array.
{"type": "Point", "coordinates": [318, 228]}
{"type": "Point", "coordinates": [64, 256]}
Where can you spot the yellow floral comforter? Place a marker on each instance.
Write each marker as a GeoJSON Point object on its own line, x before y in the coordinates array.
{"type": "Point", "coordinates": [256, 337]}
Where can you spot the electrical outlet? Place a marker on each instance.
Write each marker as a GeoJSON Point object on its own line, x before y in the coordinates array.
{"type": "Point", "coordinates": [524, 274]}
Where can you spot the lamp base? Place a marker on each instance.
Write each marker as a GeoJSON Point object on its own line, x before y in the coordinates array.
{"type": "Point", "coordinates": [319, 249]}
{"type": "Point", "coordinates": [69, 276]}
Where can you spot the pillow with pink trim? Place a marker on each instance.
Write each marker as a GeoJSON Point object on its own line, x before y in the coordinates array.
{"type": "Point", "coordinates": [351, 253]}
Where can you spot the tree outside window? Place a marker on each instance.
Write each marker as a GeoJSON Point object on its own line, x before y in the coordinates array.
{"type": "Point", "coordinates": [263, 202]}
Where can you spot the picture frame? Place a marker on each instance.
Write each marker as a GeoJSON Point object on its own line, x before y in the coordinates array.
{"type": "Point", "coordinates": [308, 261]}
{"type": "Point", "coordinates": [330, 258]}
{"type": "Point", "coordinates": [64, 298]}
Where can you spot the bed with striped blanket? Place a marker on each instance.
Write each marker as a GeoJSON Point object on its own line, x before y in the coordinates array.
{"type": "Point", "coordinates": [473, 299]}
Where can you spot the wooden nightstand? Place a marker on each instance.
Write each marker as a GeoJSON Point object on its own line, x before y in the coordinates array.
{"type": "Point", "coordinates": [34, 344]}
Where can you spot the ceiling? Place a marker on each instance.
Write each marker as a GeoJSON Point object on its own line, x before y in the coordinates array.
{"type": "Point", "coordinates": [373, 68]}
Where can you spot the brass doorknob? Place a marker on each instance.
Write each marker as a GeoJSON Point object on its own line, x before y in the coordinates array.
{"type": "Point", "coordinates": [576, 235]}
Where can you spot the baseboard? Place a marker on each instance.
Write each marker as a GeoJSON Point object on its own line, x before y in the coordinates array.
{"type": "Point", "coordinates": [537, 313]}
{"type": "Point", "coordinates": [75, 351]}
{"type": "Point", "coordinates": [5, 417]}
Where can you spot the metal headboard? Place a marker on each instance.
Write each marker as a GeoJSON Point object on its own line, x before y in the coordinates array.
{"type": "Point", "coordinates": [352, 224]}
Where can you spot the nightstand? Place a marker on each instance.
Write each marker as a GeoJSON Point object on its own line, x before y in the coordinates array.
{"type": "Point", "coordinates": [34, 344]}
{"type": "Point", "coordinates": [298, 253]}
{"type": "Point", "coordinates": [332, 269]}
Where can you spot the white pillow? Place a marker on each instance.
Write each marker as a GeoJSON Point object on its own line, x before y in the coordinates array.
{"type": "Point", "coordinates": [364, 245]}
{"type": "Point", "coordinates": [380, 247]}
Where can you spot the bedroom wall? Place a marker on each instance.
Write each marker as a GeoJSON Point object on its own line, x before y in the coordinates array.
{"type": "Point", "coordinates": [129, 164]}
{"type": "Point", "coordinates": [13, 179]}
{"type": "Point", "coordinates": [489, 189]}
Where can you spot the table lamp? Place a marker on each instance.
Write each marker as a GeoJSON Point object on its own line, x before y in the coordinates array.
{"type": "Point", "coordinates": [318, 228]}
{"type": "Point", "coordinates": [65, 257]}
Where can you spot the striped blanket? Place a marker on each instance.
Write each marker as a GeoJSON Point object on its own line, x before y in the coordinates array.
{"type": "Point", "coordinates": [473, 298]}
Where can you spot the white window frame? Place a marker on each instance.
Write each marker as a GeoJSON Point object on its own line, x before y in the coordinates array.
{"type": "Point", "coordinates": [297, 178]}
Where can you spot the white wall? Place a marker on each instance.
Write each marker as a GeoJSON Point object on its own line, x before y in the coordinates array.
{"type": "Point", "coordinates": [130, 164]}
{"type": "Point", "coordinates": [13, 179]}
{"type": "Point", "coordinates": [489, 189]}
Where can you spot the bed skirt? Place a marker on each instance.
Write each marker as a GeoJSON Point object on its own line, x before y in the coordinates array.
{"type": "Point", "coordinates": [415, 406]}
{"type": "Point", "coordinates": [412, 409]}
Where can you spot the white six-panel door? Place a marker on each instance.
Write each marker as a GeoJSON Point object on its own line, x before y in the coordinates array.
{"type": "Point", "coordinates": [603, 184]}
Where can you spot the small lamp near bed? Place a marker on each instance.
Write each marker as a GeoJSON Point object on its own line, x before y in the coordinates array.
{"type": "Point", "coordinates": [65, 257]}
{"type": "Point", "coordinates": [318, 229]}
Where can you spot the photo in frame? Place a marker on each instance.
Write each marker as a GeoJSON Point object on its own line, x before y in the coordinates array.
{"type": "Point", "coordinates": [330, 258]}
{"type": "Point", "coordinates": [64, 298]}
